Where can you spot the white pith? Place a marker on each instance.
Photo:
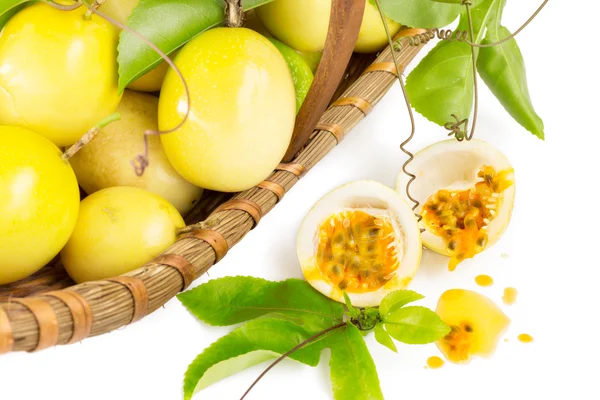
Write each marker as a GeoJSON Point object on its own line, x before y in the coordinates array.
{"type": "Point", "coordinates": [454, 165]}
{"type": "Point", "coordinates": [375, 199]}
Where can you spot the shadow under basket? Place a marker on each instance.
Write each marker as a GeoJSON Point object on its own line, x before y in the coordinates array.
{"type": "Point", "coordinates": [49, 309]}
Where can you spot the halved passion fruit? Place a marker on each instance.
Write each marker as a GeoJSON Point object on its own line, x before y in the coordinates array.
{"type": "Point", "coordinates": [362, 239]}
{"type": "Point", "coordinates": [466, 193]}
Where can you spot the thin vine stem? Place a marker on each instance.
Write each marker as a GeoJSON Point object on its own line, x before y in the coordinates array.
{"type": "Point", "coordinates": [410, 114]}
{"type": "Point", "coordinates": [287, 354]}
{"type": "Point", "coordinates": [470, 134]}
{"type": "Point", "coordinates": [513, 35]}
{"type": "Point", "coordinates": [141, 162]}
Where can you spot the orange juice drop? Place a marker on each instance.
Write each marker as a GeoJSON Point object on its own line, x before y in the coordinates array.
{"type": "Point", "coordinates": [476, 325]}
{"type": "Point", "coordinates": [525, 338]}
{"type": "Point", "coordinates": [510, 296]}
{"type": "Point", "coordinates": [484, 280]}
{"type": "Point", "coordinates": [435, 362]}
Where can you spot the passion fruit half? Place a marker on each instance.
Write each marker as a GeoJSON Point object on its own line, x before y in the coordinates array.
{"type": "Point", "coordinates": [466, 192]}
{"type": "Point", "coordinates": [362, 239]}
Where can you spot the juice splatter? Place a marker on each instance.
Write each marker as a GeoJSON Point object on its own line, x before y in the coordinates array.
{"type": "Point", "coordinates": [476, 325]}
{"type": "Point", "coordinates": [484, 280]}
{"type": "Point", "coordinates": [525, 338]}
{"type": "Point", "coordinates": [510, 296]}
{"type": "Point", "coordinates": [435, 362]}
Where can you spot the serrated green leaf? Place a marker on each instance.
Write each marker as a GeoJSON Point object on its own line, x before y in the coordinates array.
{"type": "Point", "coordinates": [415, 325]}
{"type": "Point", "coordinates": [442, 83]}
{"type": "Point", "coordinates": [353, 312]}
{"type": "Point", "coordinates": [251, 344]}
{"type": "Point", "coordinates": [232, 300]}
{"type": "Point", "coordinates": [384, 338]}
{"type": "Point", "coordinates": [397, 299]}
{"type": "Point", "coordinates": [169, 25]}
{"type": "Point", "coordinates": [502, 68]}
{"type": "Point", "coordinates": [8, 8]}
{"type": "Point", "coordinates": [420, 13]}
{"type": "Point", "coordinates": [353, 372]}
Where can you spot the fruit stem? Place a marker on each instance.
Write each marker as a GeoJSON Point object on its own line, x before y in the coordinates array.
{"type": "Point", "coordinates": [234, 13]}
{"type": "Point", "coordinates": [96, 5]}
{"type": "Point", "coordinates": [298, 347]}
{"type": "Point", "coordinates": [89, 135]}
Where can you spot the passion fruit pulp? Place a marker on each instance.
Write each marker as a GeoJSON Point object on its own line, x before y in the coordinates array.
{"type": "Point", "coordinates": [476, 325]}
{"type": "Point", "coordinates": [462, 217]}
{"type": "Point", "coordinates": [466, 193]}
{"type": "Point", "coordinates": [362, 239]}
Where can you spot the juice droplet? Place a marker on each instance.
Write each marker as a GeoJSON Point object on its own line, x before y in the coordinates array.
{"type": "Point", "coordinates": [484, 280]}
{"type": "Point", "coordinates": [476, 324]}
{"type": "Point", "coordinates": [435, 362]}
{"type": "Point", "coordinates": [504, 255]}
{"type": "Point", "coordinates": [510, 296]}
{"type": "Point", "coordinates": [525, 338]}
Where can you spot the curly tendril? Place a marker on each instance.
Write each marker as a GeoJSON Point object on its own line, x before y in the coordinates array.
{"type": "Point", "coordinates": [141, 161]}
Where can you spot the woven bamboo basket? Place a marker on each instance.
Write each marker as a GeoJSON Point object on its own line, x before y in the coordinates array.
{"type": "Point", "coordinates": [49, 309]}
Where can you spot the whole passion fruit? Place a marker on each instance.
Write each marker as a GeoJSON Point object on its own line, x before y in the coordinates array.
{"type": "Point", "coordinates": [466, 192]}
{"type": "Point", "coordinates": [39, 202]}
{"type": "Point", "coordinates": [58, 72]}
{"type": "Point", "coordinates": [243, 108]}
{"type": "Point", "coordinates": [303, 25]}
{"type": "Point", "coordinates": [362, 239]}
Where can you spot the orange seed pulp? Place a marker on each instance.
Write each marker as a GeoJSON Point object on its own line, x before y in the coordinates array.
{"type": "Point", "coordinates": [462, 216]}
{"type": "Point", "coordinates": [356, 251]}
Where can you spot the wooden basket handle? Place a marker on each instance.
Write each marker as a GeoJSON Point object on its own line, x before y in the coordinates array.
{"type": "Point", "coordinates": [344, 25]}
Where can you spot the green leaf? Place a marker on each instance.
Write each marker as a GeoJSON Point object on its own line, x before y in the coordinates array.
{"type": "Point", "coordinates": [232, 300]}
{"type": "Point", "coordinates": [251, 344]}
{"type": "Point", "coordinates": [397, 299]}
{"type": "Point", "coordinates": [442, 83]}
{"type": "Point", "coordinates": [353, 312]}
{"type": "Point", "coordinates": [415, 325]}
{"type": "Point", "coordinates": [169, 25]}
{"type": "Point", "coordinates": [420, 13]}
{"type": "Point", "coordinates": [502, 68]}
{"type": "Point", "coordinates": [353, 372]}
{"type": "Point", "coordinates": [8, 8]}
{"type": "Point", "coordinates": [384, 338]}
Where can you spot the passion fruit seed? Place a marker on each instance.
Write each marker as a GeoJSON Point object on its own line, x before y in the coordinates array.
{"type": "Point", "coordinates": [461, 217]}
{"type": "Point", "coordinates": [356, 251]}
{"type": "Point", "coordinates": [476, 325]}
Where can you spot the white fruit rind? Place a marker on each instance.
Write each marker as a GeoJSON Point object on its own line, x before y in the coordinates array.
{"type": "Point", "coordinates": [454, 165]}
{"type": "Point", "coordinates": [376, 199]}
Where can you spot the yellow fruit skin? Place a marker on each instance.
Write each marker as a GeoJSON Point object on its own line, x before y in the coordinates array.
{"type": "Point", "coordinates": [118, 230]}
{"type": "Point", "coordinates": [457, 307]}
{"type": "Point", "coordinates": [243, 107]}
{"type": "Point", "coordinates": [106, 161]}
{"type": "Point", "coordinates": [152, 81]}
{"type": "Point", "coordinates": [303, 25]}
{"type": "Point", "coordinates": [120, 10]}
{"type": "Point", "coordinates": [39, 202]}
{"type": "Point", "coordinates": [58, 72]}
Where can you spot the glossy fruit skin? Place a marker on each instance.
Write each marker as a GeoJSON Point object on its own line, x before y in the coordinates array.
{"type": "Point", "coordinates": [152, 81]}
{"type": "Point", "coordinates": [303, 25]}
{"type": "Point", "coordinates": [106, 161]}
{"type": "Point", "coordinates": [39, 202]}
{"type": "Point", "coordinates": [58, 72]}
{"type": "Point", "coordinates": [302, 76]}
{"type": "Point", "coordinates": [243, 107]}
{"type": "Point", "coordinates": [118, 230]}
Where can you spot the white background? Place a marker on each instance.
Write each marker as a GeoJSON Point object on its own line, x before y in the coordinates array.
{"type": "Point", "coordinates": [552, 245]}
